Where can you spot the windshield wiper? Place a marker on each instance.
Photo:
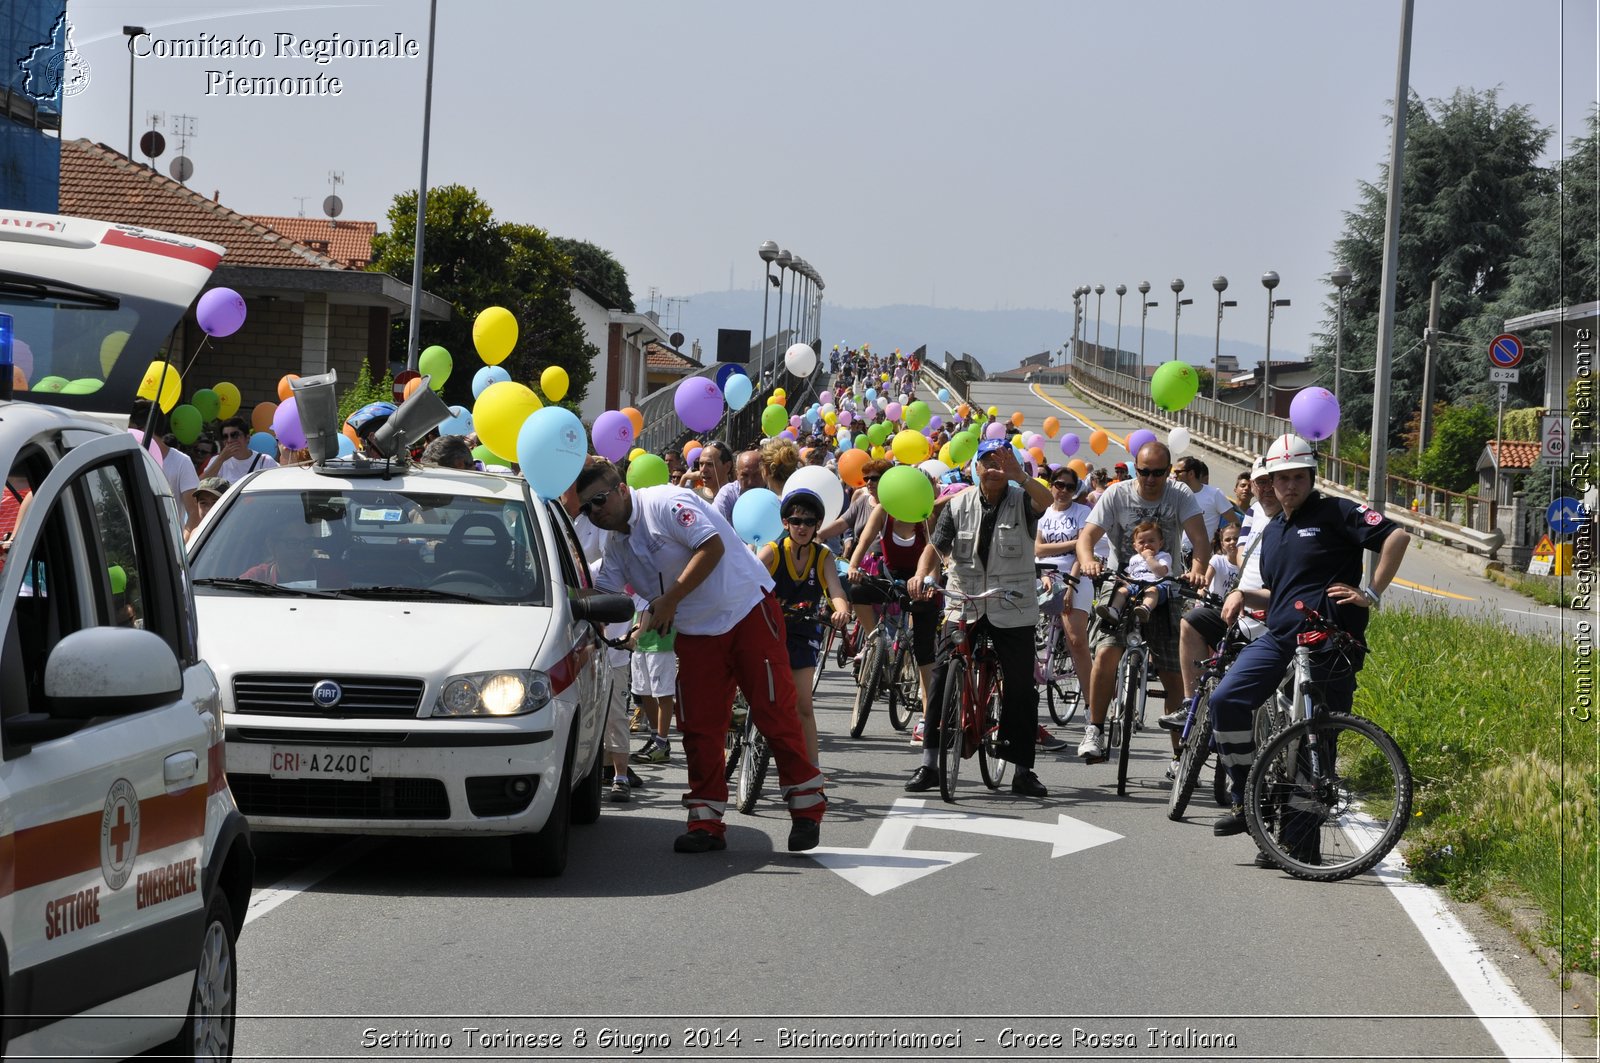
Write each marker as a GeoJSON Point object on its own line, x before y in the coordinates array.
{"type": "Point", "coordinates": [23, 288]}
{"type": "Point", "coordinates": [255, 586]}
{"type": "Point", "coordinates": [402, 593]}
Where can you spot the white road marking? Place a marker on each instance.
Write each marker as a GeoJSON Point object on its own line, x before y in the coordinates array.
{"type": "Point", "coordinates": [265, 900]}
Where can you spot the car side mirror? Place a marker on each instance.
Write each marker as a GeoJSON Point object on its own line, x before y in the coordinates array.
{"type": "Point", "coordinates": [603, 608]}
{"type": "Point", "coordinates": [110, 671]}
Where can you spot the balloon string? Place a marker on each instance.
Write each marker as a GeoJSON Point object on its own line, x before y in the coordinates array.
{"type": "Point", "coordinates": [205, 338]}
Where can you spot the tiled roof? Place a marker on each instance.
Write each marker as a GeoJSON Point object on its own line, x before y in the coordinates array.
{"type": "Point", "coordinates": [1514, 453]}
{"type": "Point", "coordinates": [665, 358]}
{"type": "Point", "coordinates": [99, 183]}
{"type": "Point", "coordinates": [349, 242]}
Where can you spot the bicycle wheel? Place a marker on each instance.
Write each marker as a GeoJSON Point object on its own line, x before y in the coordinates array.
{"type": "Point", "coordinates": [829, 635]}
{"type": "Point", "coordinates": [866, 686]}
{"type": "Point", "coordinates": [1192, 758]}
{"type": "Point", "coordinates": [1328, 797]}
{"type": "Point", "coordinates": [991, 765]}
{"type": "Point", "coordinates": [756, 758]}
{"type": "Point", "coordinates": [733, 752]}
{"type": "Point", "coordinates": [950, 739]}
{"type": "Point", "coordinates": [905, 688]}
{"type": "Point", "coordinates": [1063, 695]}
{"type": "Point", "coordinates": [1128, 706]}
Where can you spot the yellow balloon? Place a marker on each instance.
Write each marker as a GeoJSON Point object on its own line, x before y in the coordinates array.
{"type": "Point", "coordinates": [553, 382]}
{"type": "Point", "coordinates": [633, 455]}
{"type": "Point", "coordinates": [494, 333]}
{"type": "Point", "coordinates": [228, 400]}
{"type": "Point", "coordinates": [831, 418]}
{"type": "Point", "coordinates": [171, 385]}
{"type": "Point", "coordinates": [111, 350]}
{"type": "Point", "coordinates": [994, 411]}
{"type": "Point", "coordinates": [884, 378]}
{"type": "Point", "coordinates": [782, 394]}
{"type": "Point", "coordinates": [499, 412]}
{"type": "Point", "coordinates": [877, 452]}
{"type": "Point", "coordinates": [944, 455]}
{"type": "Point", "coordinates": [910, 446]}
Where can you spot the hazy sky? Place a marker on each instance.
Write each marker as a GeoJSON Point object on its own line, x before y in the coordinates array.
{"type": "Point", "coordinates": [914, 151]}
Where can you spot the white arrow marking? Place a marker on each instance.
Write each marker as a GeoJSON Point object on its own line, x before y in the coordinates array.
{"type": "Point", "coordinates": [887, 863]}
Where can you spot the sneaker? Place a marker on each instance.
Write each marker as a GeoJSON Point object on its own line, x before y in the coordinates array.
{"type": "Point", "coordinates": [1092, 749]}
{"type": "Point", "coordinates": [1174, 721]}
{"type": "Point", "coordinates": [1231, 824]}
{"type": "Point", "coordinates": [1049, 742]}
{"type": "Point", "coordinates": [803, 834]}
{"type": "Point", "coordinates": [652, 753]}
{"type": "Point", "coordinates": [1141, 613]}
{"type": "Point", "coordinates": [1027, 784]}
{"type": "Point", "coordinates": [1263, 860]}
{"type": "Point", "coordinates": [698, 841]}
{"type": "Point", "coordinates": [1108, 614]}
{"type": "Point", "coordinates": [922, 780]}
{"type": "Point", "coordinates": [1172, 769]}
{"type": "Point", "coordinates": [620, 792]}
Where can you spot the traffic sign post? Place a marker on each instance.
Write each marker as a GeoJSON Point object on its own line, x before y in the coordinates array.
{"type": "Point", "coordinates": [1553, 431]}
{"type": "Point", "coordinates": [1504, 376]}
{"type": "Point", "coordinates": [1505, 351]}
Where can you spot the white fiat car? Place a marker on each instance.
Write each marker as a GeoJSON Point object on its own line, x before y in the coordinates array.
{"type": "Point", "coordinates": [405, 650]}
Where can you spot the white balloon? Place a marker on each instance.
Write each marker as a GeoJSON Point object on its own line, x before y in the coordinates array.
{"type": "Point", "coordinates": [825, 483]}
{"type": "Point", "coordinates": [800, 360]}
{"type": "Point", "coordinates": [1178, 441]}
{"type": "Point", "coordinates": [934, 467]}
{"type": "Point", "coordinates": [883, 403]}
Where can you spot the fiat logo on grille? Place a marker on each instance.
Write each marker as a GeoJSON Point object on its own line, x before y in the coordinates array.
{"type": "Point", "coordinates": [327, 694]}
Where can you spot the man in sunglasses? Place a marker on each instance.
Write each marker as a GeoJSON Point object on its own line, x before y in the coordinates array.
{"type": "Point", "coordinates": [674, 549]}
{"type": "Point", "coordinates": [236, 460]}
{"type": "Point", "coordinates": [1149, 496]}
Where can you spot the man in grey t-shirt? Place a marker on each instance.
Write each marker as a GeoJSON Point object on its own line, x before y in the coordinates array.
{"type": "Point", "coordinates": [1150, 496]}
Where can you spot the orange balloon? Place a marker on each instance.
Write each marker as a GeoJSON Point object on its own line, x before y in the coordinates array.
{"type": "Point", "coordinates": [636, 417]}
{"type": "Point", "coordinates": [285, 392]}
{"type": "Point", "coordinates": [1097, 441]}
{"type": "Point", "coordinates": [1017, 418]}
{"type": "Point", "coordinates": [850, 465]}
{"type": "Point", "coordinates": [261, 416]}
{"type": "Point", "coordinates": [693, 444]}
{"type": "Point", "coordinates": [1052, 425]}
{"type": "Point", "coordinates": [411, 385]}
{"type": "Point", "coordinates": [1078, 466]}
{"type": "Point", "coordinates": [963, 411]}
{"type": "Point", "coordinates": [1037, 455]}
{"type": "Point", "coordinates": [829, 430]}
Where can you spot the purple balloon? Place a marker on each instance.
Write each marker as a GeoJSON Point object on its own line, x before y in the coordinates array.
{"type": "Point", "coordinates": [612, 435]}
{"type": "Point", "coordinates": [699, 403]}
{"type": "Point", "coordinates": [1069, 444]}
{"type": "Point", "coordinates": [1138, 439]}
{"type": "Point", "coordinates": [936, 422]}
{"type": "Point", "coordinates": [1314, 413]}
{"type": "Point", "coordinates": [995, 431]}
{"type": "Point", "coordinates": [847, 418]}
{"type": "Point", "coordinates": [220, 313]}
{"type": "Point", "coordinates": [286, 425]}
{"type": "Point", "coordinates": [693, 456]}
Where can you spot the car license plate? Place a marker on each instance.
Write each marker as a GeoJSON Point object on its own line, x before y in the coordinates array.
{"type": "Point", "coordinates": [297, 762]}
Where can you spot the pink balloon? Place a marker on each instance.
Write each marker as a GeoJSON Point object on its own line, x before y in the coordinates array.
{"type": "Point", "coordinates": [612, 435]}
{"type": "Point", "coordinates": [1314, 413]}
{"type": "Point", "coordinates": [699, 403]}
{"type": "Point", "coordinates": [893, 411]}
{"type": "Point", "coordinates": [794, 422]}
{"type": "Point", "coordinates": [286, 425]}
{"type": "Point", "coordinates": [826, 397]}
{"type": "Point", "coordinates": [847, 418]}
{"type": "Point", "coordinates": [22, 357]}
{"type": "Point", "coordinates": [1069, 444]}
{"type": "Point", "coordinates": [995, 431]}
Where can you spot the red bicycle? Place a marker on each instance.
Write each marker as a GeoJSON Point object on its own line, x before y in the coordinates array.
{"type": "Point", "coordinates": [969, 713]}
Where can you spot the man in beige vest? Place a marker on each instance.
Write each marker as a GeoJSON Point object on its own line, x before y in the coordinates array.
{"type": "Point", "coordinates": [986, 536]}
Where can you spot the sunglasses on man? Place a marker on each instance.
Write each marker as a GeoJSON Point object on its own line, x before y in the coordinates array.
{"type": "Point", "coordinates": [234, 434]}
{"type": "Point", "coordinates": [1152, 474]}
{"type": "Point", "coordinates": [594, 502]}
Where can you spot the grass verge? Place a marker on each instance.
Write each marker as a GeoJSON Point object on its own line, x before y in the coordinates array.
{"type": "Point", "coordinates": [1546, 590]}
{"type": "Point", "coordinates": [1505, 774]}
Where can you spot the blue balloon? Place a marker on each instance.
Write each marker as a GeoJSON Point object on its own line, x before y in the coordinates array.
{"type": "Point", "coordinates": [347, 446]}
{"type": "Point", "coordinates": [756, 516]}
{"type": "Point", "coordinates": [944, 394]}
{"type": "Point", "coordinates": [458, 425]}
{"type": "Point", "coordinates": [264, 443]}
{"type": "Point", "coordinates": [872, 394]}
{"type": "Point", "coordinates": [489, 374]}
{"type": "Point", "coordinates": [737, 391]}
{"type": "Point", "coordinates": [726, 371]}
{"type": "Point", "coordinates": [550, 448]}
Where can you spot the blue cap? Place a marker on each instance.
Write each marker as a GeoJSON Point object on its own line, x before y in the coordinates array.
{"type": "Point", "coordinates": [989, 446]}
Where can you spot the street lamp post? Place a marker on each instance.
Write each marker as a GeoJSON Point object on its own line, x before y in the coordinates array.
{"type": "Point", "coordinates": [784, 260]}
{"type": "Point", "coordinates": [1269, 281]}
{"type": "Point", "coordinates": [1144, 311]}
{"type": "Point", "coordinates": [1340, 277]}
{"type": "Point", "coordinates": [1100, 352]}
{"type": "Point", "coordinates": [768, 251]}
{"type": "Point", "coordinates": [1122, 289]}
{"type": "Point", "coordinates": [1220, 283]}
{"type": "Point", "coordinates": [132, 32]}
{"type": "Point", "coordinates": [1177, 310]}
{"type": "Point", "coordinates": [1077, 320]}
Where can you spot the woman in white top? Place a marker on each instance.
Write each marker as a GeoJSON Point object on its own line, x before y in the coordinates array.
{"type": "Point", "coordinates": [1056, 543]}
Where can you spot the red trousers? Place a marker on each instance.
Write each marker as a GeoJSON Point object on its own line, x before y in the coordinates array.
{"type": "Point", "coordinates": [752, 655]}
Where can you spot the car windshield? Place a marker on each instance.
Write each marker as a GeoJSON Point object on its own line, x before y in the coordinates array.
{"type": "Point", "coordinates": [374, 543]}
{"type": "Point", "coordinates": [68, 341]}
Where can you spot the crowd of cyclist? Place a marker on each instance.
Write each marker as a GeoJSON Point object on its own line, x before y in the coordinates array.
{"type": "Point", "coordinates": [1003, 529]}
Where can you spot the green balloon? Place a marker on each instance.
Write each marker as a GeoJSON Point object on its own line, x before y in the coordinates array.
{"type": "Point", "coordinates": [85, 385]}
{"type": "Point", "coordinates": [435, 362]}
{"type": "Point", "coordinates": [119, 579]}
{"type": "Point", "coordinates": [649, 470]}
{"type": "Point", "coordinates": [963, 445]}
{"type": "Point", "coordinates": [50, 383]}
{"type": "Point", "coordinates": [878, 434]}
{"type": "Point", "coordinates": [917, 415]}
{"type": "Point", "coordinates": [861, 442]}
{"type": "Point", "coordinates": [774, 419]}
{"type": "Point", "coordinates": [208, 402]}
{"type": "Point", "coordinates": [1174, 385]}
{"type": "Point", "coordinates": [489, 457]}
{"type": "Point", "coordinates": [906, 493]}
{"type": "Point", "coordinates": [186, 423]}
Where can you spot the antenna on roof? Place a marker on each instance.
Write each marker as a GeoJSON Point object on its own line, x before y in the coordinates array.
{"type": "Point", "coordinates": [184, 126]}
{"type": "Point", "coordinates": [333, 206]}
{"type": "Point", "coordinates": [302, 201]}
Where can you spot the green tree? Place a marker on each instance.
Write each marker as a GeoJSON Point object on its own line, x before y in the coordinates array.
{"type": "Point", "coordinates": [1451, 458]}
{"type": "Point", "coordinates": [596, 268]}
{"type": "Point", "coordinates": [1471, 175]}
{"type": "Point", "coordinates": [473, 262]}
{"type": "Point", "coordinates": [365, 390]}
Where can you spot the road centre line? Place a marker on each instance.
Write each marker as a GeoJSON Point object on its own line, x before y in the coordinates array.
{"type": "Point", "coordinates": [1121, 441]}
{"type": "Point", "coordinates": [1421, 588]}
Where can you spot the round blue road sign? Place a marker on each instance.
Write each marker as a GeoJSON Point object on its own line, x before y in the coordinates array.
{"type": "Point", "coordinates": [1566, 516]}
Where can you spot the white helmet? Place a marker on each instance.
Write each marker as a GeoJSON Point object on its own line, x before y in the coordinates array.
{"type": "Point", "coordinates": [1259, 469]}
{"type": "Point", "coordinates": [1290, 452]}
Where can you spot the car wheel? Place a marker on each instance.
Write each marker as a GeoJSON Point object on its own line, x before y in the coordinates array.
{"type": "Point", "coordinates": [543, 853]}
{"type": "Point", "coordinates": [586, 795]}
{"type": "Point", "coordinates": [208, 1029]}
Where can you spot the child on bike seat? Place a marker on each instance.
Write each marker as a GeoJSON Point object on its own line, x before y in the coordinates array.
{"type": "Point", "coordinates": [1150, 562]}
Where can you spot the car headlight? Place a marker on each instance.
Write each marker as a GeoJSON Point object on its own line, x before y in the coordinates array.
{"type": "Point", "coordinates": [512, 693]}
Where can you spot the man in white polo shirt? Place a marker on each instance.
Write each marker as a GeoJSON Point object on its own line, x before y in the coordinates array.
{"type": "Point", "coordinates": [1215, 507]}
{"type": "Point", "coordinates": [674, 549]}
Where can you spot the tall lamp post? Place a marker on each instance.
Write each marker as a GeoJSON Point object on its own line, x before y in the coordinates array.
{"type": "Point", "coordinates": [1269, 281]}
{"type": "Point", "coordinates": [132, 32]}
{"type": "Point", "coordinates": [1220, 283]}
{"type": "Point", "coordinates": [1341, 277]}
{"type": "Point", "coordinates": [1144, 311]}
{"type": "Point", "coordinates": [1100, 352]}
{"type": "Point", "coordinates": [768, 251]}
{"type": "Point", "coordinates": [1121, 289]}
{"type": "Point", "coordinates": [1077, 320]}
{"type": "Point", "coordinates": [784, 260]}
{"type": "Point", "coordinates": [1177, 310]}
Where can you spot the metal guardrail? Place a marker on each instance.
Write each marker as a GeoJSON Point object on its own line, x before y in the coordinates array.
{"type": "Point", "coordinates": [1463, 520]}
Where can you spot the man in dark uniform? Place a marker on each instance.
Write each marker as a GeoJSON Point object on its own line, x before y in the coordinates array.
{"type": "Point", "coordinates": [1312, 552]}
